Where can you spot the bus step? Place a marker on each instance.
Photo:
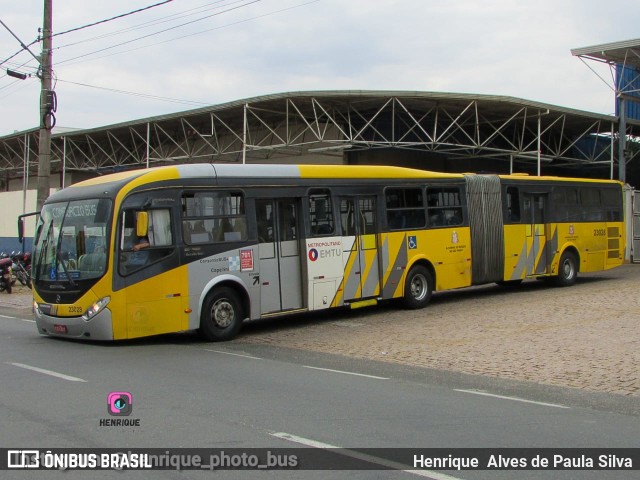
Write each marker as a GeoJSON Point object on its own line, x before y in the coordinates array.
{"type": "Point", "coordinates": [363, 303]}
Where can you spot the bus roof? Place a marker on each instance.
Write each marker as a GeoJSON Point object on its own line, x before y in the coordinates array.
{"type": "Point", "coordinates": [262, 171]}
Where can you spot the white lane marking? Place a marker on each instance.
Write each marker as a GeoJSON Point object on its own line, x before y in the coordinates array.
{"type": "Point", "coordinates": [363, 456]}
{"type": "Point", "coordinates": [47, 372]}
{"type": "Point", "coordinates": [18, 318]}
{"type": "Point", "coordinates": [346, 373]}
{"type": "Point", "coordinates": [234, 354]}
{"type": "Point", "coordinates": [516, 399]}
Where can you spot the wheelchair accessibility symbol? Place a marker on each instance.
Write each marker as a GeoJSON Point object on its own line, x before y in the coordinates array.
{"type": "Point", "coordinates": [412, 242]}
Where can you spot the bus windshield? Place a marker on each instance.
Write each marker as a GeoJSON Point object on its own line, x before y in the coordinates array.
{"type": "Point", "coordinates": [71, 241]}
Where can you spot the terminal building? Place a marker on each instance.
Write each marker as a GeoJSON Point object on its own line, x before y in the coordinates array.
{"type": "Point", "coordinates": [445, 132]}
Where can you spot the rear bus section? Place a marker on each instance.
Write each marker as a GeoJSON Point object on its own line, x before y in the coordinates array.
{"type": "Point", "coordinates": [556, 229]}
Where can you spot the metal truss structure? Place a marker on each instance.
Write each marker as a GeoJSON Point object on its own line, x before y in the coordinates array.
{"type": "Point", "coordinates": [623, 59]}
{"type": "Point", "coordinates": [300, 127]}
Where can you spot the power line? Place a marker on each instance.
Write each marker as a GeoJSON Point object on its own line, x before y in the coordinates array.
{"type": "Point", "coordinates": [150, 23]}
{"type": "Point", "coordinates": [136, 94]}
{"type": "Point", "coordinates": [164, 20]}
{"type": "Point", "coordinates": [275, 12]}
{"type": "Point", "coordinates": [111, 19]}
{"type": "Point", "coordinates": [10, 88]}
{"type": "Point", "coordinates": [158, 32]}
{"type": "Point", "coordinates": [26, 47]}
{"type": "Point", "coordinates": [12, 56]}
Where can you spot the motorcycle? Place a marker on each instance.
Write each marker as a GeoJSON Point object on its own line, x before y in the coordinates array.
{"type": "Point", "coordinates": [5, 274]}
{"type": "Point", "coordinates": [22, 267]}
{"type": "Point", "coordinates": [13, 275]}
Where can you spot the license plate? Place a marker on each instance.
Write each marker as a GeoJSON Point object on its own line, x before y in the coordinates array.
{"type": "Point", "coordinates": [60, 328]}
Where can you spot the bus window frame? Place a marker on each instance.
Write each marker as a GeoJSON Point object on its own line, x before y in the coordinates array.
{"type": "Point", "coordinates": [404, 212]}
{"type": "Point", "coordinates": [148, 252]}
{"type": "Point", "coordinates": [228, 219]}
{"type": "Point", "coordinates": [331, 211]}
{"type": "Point", "coordinates": [461, 206]}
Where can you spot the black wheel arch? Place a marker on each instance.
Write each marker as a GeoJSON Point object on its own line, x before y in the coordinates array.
{"type": "Point", "coordinates": [234, 285]}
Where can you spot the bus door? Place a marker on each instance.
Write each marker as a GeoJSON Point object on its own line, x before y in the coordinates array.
{"type": "Point", "coordinates": [155, 289]}
{"type": "Point", "coordinates": [535, 220]}
{"type": "Point", "coordinates": [360, 247]}
{"type": "Point", "coordinates": [280, 268]}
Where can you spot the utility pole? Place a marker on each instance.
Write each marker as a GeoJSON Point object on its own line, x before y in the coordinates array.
{"type": "Point", "coordinates": [47, 106]}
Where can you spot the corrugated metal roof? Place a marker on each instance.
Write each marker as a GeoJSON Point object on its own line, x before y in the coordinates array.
{"type": "Point", "coordinates": [625, 52]}
{"type": "Point", "coordinates": [498, 103]}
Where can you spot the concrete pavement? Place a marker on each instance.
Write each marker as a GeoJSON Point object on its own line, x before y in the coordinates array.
{"type": "Point", "coordinates": [585, 336]}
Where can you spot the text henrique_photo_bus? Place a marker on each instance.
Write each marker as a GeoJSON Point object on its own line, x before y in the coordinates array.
{"type": "Point", "coordinates": [206, 246]}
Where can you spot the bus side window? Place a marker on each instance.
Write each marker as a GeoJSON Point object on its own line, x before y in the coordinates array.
{"type": "Point", "coordinates": [444, 206]}
{"type": "Point", "coordinates": [405, 208]}
{"type": "Point", "coordinates": [264, 218]}
{"type": "Point", "coordinates": [213, 216]}
{"type": "Point", "coordinates": [612, 203]}
{"type": "Point", "coordinates": [159, 240]}
{"type": "Point", "coordinates": [367, 220]}
{"type": "Point", "coordinates": [347, 218]}
{"type": "Point", "coordinates": [513, 205]}
{"type": "Point", "coordinates": [160, 228]}
{"type": "Point", "coordinates": [287, 227]}
{"type": "Point", "coordinates": [320, 212]}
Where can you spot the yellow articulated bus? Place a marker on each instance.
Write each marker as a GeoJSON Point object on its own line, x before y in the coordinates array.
{"type": "Point", "coordinates": [204, 247]}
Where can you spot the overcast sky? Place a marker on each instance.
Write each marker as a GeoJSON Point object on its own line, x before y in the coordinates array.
{"type": "Point", "coordinates": [246, 48]}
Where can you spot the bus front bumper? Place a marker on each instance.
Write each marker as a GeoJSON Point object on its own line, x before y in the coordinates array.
{"type": "Point", "coordinates": [99, 327]}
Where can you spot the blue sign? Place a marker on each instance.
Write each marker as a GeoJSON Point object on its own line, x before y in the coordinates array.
{"type": "Point", "coordinates": [412, 241]}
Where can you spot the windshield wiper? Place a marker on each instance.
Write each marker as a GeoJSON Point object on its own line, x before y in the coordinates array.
{"type": "Point", "coordinates": [64, 267]}
{"type": "Point", "coordinates": [43, 249]}
{"type": "Point", "coordinates": [60, 260]}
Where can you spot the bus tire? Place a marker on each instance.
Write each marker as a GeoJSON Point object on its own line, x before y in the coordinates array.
{"type": "Point", "coordinates": [567, 270]}
{"type": "Point", "coordinates": [418, 287]}
{"type": "Point", "coordinates": [222, 315]}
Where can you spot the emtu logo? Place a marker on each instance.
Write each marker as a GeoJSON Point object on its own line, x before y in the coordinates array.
{"type": "Point", "coordinates": [120, 404]}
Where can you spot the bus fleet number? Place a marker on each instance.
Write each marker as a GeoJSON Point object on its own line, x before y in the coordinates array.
{"type": "Point", "coordinates": [599, 232]}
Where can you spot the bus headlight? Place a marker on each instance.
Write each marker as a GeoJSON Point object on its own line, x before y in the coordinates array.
{"type": "Point", "coordinates": [96, 308]}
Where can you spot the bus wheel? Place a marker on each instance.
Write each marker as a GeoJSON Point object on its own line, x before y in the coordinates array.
{"type": "Point", "coordinates": [417, 287]}
{"type": "Point", "coordinates": [221, 317]}
{"type": "Point", "coordinates": [567, 270]}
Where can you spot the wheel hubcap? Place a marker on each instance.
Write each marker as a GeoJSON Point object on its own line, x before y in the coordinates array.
{"type": "Point", "coordinates": [419, 287]}
{"type": "Point", "coordinates": [222, 313]}
{"type": "Point", "coordinates": [568, 270]}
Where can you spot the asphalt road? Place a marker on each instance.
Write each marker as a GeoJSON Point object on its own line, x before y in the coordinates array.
{"type": "Point", "coordinates": [188, 393]}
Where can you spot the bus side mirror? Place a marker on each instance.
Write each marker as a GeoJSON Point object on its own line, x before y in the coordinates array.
{"type": "Point", "coordinates": [21, 225]}
{"type": "Point", "coordinates": [142, 224]}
